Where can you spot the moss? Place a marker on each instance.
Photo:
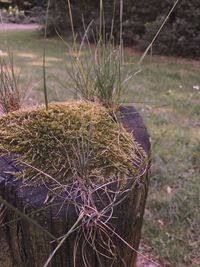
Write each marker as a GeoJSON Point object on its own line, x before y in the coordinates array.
{"type": "Point", "coordinates": [70, 142]}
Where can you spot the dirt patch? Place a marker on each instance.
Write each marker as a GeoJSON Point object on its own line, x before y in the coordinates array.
{"type": "Point", "coordinates": [146, 258]}
{"type": "Point", "coordinates": [142, 262]}
{"type": "Point", "coordinates": [14, 26]}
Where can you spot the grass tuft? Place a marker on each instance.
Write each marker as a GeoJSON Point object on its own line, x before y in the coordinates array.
{"type": "Point", "coordinates": [10, 94]}
{"type": "Point", "coordinates": [99, 76]}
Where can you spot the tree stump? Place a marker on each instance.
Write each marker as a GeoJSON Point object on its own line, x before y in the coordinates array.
{"type": "Point", "coordinates": [30, 245]}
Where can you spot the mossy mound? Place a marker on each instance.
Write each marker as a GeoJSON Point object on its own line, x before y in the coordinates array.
{"type": "Point", "coordinates": [70, 142]}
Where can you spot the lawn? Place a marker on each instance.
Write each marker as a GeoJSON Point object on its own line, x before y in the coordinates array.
{"type": "Point", "coordinates": [166, 92]}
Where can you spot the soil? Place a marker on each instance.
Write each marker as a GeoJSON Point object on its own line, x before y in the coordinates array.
{"type": "Point", "coordinates": [142, 261]}
{"type": "Point", "coordinates": [14, 26]}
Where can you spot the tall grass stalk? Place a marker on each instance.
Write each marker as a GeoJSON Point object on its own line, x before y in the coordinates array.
{"type": "Point", "coordinates": [113, 20]}
{"type": "Point", "coordinates": [44, 56]}
{"type": "Point", "coordinates": [71, 230]}
{"type": "Point", "coordinates": [26, 217]}
{"type": "Point", "coordinates": [72, 25]}
{"type": "Point", "coordinates": [158, 32]}
{"type": "Point", "coordinates": [98, 76]}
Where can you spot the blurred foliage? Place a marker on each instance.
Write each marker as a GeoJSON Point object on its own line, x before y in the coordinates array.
{"type": "Point", "coordinates": [181, 35]}
{"type": "Point", "coordinates": [141, 21]}
{"type": "Point", "coordinates": [22, 3]}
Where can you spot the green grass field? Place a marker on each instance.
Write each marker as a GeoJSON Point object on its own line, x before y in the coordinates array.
{"type": "Point", "coordinates": [166, 93]}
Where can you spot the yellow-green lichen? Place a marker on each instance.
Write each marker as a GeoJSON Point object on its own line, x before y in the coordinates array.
{"type": "Point", "coordinates": [70, 142]}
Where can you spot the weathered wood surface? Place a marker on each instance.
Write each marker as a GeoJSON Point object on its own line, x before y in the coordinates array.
{"type": "Point", "coordinates": [30, 247]}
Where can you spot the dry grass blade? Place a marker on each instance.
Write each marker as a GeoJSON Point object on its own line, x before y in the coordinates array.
{"type": "Point", "coordinates": [129, 246]}
{"type": "Point", "coordinates": [2, 214]}
{"type": "Point", "coordinates": [72, 229]}
{"type": "Point", "coordinates": [158, 32]}
{"type": "Point", "coordinates": [44, 56]}
{"type": "Point", "coordinates": [26, 217]}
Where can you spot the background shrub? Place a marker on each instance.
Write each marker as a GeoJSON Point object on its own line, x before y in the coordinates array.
{"type": "Point", "coordinates": [181, 34]}
{"type": "Point", "coordinates": [134, 16]}
{"type": "Point", "coordinates": [141, 20]}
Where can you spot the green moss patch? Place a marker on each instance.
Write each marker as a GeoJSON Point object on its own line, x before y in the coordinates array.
{"type": "Point", "coordinates": [70, 142]}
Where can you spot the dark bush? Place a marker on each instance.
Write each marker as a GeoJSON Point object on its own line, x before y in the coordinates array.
{"type": "Point", "coordinates": [134, 16]}
{"type": "Point", "coordinates": [181, 35]}
{"type": "Point", "coordinates": [141, 20]}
